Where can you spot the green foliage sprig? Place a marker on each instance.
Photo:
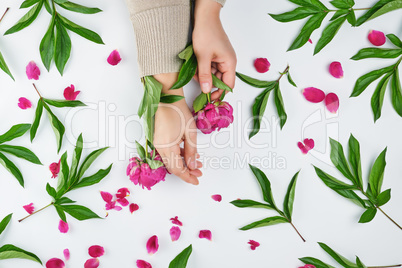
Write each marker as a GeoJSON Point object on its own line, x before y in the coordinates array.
{"type": "Point", "coordinates": [181, 260]}
{"type": "Point", "coordinates": [339, 259]}
{"type": "Point", "coordinates": [3, 64]}
{"type": "Point", "coordinates": [12, 252]}
{"type": "Point", "coordinates": [56, 43]}
{"type": "Point", "coordinates": [18, 151]}
{"type": "Point", "coordinates": [388, 74]}
{"type": "Point", "coordinates": [72, 178]}
{"type": "Point", "coordinates": [261, 101]}
{"type": "Point", "coordinates": [353, 172]}
{"type": "Point", "coordinates": [317, 11]}
{"type": "Point", "coordinates": [285, 215]}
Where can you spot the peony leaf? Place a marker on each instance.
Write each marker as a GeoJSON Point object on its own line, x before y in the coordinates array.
{"type": "Point", "coordinates": [313, 23]}
{"type": "Point", "coordinates": [21, 152]}
{"type": "Point", "coordinates": [368, 215]}
{"type": "Point", "coordinates": [186, 53]}
{"type": "Point", "coordinates": [186, 73]}
{"type": "Point", "coordinates": [359, 263]}
{"type": "Point", "coordinates": [60, 212]}
{"type": "Point", "coordinates": [81, 213]}
{"type": "Point", "coordinates": [200, 102]}
{"type": "Point", "coordinates": [13, 252]}
{"type": "Point", "coordinates": [35, 124]}
{"type": "Point", "coordinates": [377, 174]}
{"type": "Point", "coordinates": [51, 191]}
{"type": "Point", "coordinates": [290, 197]}
{"type": "Point", "coordinates": [264, 184]}
{"type": "Point", "coordinates": [290, 80]}
{"type": "Point", "coordinates": [46, 47]}
{"type": "Point", "coordinates": [57, 126]}
{"type": "Point", "coordinates": [79, 8]}
{"type": "Point", "coordinates": [354, 160]}
{"type": "Point", "coordinates": [339, 258]}
{"type": "Point", "coordinates": [384, 197]}
{"type": "Point", "coordinates": [219, 84]}
{"type": "Point", "coordinates": [364, 81]}
{"type": "Point", "coordinates": [10, 166]}
{"type": "Point", "coordinates": [265, 222]}
{"type": "Point", "coordinates": [76, 157]}
{"type": "Point", "coordinates": [4, 222]}
{"type": "Point", "coordinates": [140, 150]}
{"type": "Point", "coordinates": [296, 14]}
{"type": "Point", "coordinates": [89, 160]}
{"type": "Point", "coordinates": [62, 46]}
{"type": "Point", "coordinates": [84, 32]}
{"type": "Point", "coordinates": [93, 179]}
{"type": "Point", "coordinates": [377, 99]}
{"type": "Point", "coordinates": [280, 106]}
{"type": "Point", "coordinates": [181, 260]}
{"type": "Point", "coordinates": [166, 98]}
{"type": "Point", "coordinates": [27, 19]}
{"type": "Point", "coordinates": [329, 33]}
{"type": "Point", "coordinates": [395, 40]}
{"type": "Point", "coordinates": [383, 53]}
{"type": "Point", "coordinates": [341, 4]}
{"type": "Point", "coordinates": [64, 103]}
{"type": "Point", "coordinates": [154, 164]}
{"type": "Point", "coordinates": [316, 262]}
{"type": "Point", "coordinates": [332, 182]}
{"type": "Point", "coordinates": [246, 203]}
{"type": "Point", "coordinates": [396, 91]}
{"type": "Point", "coordinates": [255, 82]}
{"type": "Point", "coordinates": [14, 132]}
{"type": "Point", "coordinates": [339, 13]}
{"type": "Point", "coordinates": [4, 67]}
{"type": "Point", "coordinates": [28, 3]}
{"type": "Point", "coordinates": [258, 110]}
{"type": "Point", "coordinates": [380, 8]}
{"type": "Point", "coordinates": [339, 160]}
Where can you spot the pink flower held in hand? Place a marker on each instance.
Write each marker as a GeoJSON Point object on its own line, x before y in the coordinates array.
{"type": "Point", "coordinates": [92, 263]}
{"type": "Point", "coordinates": [24, 103]}
{"type": "Point", "coordinates": [143, 264]}
{"type": "Point", "coordinates": [176, 221]}
{"type": "Point", "coordinates": [335, 69]}
{"type": "Point", "coordinates": [55, 263]}
{"type": "Point", "coordinates": [133, 207]}
{"type": "Point", "coordinates": [29, 208]}
{"type": "Point", "coordinates": [332, 102]}
{"type": "Point", "coordinates": [55, 169]}
{"type": "Point", "coordinates": [152, 245]}
{"type": "Point", "coordinates": [308, 266]}
{"type": "Point", "coordinates": [253, 244]}
{"type": "Point", "coordinates": [205, 234]}
{"type": "Point", "coordinates": [66, 253]}
{"type": "Point", "coordinates": [313, 94]}
{"type": "Point", "coordinates": [377, 38]}
{"type": "Point", "coordinates": [175, 233]}
{"type": "Point", "coordinates": [96, 251]}
{"type": "Point", "coordinates": [307, 146]}
{"type": "Point", "coordinates": [214, 116]}
{"type": "Point", "coordinates": [114, 58]}
{"type": "Point", "coordinates": [262, 65]}
{"type": "Point", "coordinates": [217, 197]}
{"type": "Point", "coordinates": [141, 173]}
{"type": "Point", "coordinates": [32, 71]}
{"type": "Point", "coordinates": [63, 227]}
{"type": "Point", "coordinates": [70, 93]}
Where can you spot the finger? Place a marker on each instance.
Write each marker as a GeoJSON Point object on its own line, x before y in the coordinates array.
{"type": "Point", "coordinates": [216, 94]}
{"type": "Point", "coordinates": [204, 74]}
{"type": "Point", "coordinates": [190, 147]}
{"type": "Point", "coordinates": [229, 78]}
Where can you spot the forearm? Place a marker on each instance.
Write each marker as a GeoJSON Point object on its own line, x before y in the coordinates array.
{"type": "Point", "coordinates": [167, 80]}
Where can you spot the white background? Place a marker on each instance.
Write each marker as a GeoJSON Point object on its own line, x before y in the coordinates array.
{"type": "Point", "coordinates": [113, 95]}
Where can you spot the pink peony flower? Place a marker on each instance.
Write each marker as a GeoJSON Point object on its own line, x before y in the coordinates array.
{"type": "Point", "coordinates": [175, 233]}
{"type": "Point", "coordinates": [91, 263]}
{"type": "Point", "coordinates": [307, 146]}
{"type": "Point", "coordinates": [55, 263]}
{"type": "Point", "coordinates": [217, 197]}
{"type": "Point", "coordinates": [29, 208]}
{"type": "Point", "coordinates": [205, 234]}
{"type": "Point", "coordinates": [32, 71]}
{"type": "Point", "coordinates": [66, 253]}
{"type": "Point", "coordinates": [262, 65]}
{"type": "Point", "coordinates": [307, 266]}
{"type": "Point", "coordinates": [133, 207]}
{"type": "Point", "coordinates": [332, 102]}
{"type": "Point", "coordinates": [141, 173]}
{"type": "Point", "coordinates": [63, 227]}
{"type": "Point", "coordinates": [377, 38]}
{"type": "Point", "coordinates": [55, 169]}
{"type": "Point", "coordinates": [214, 116]}
{"type": "Point", "coordinates": [176, 221]}
{"type": "Point", "coordinates": [253, 244]}
{"type": "Point", "coordinates": [143, 264]}
{"type": "Point", "coordinates": [313, 94]}
{"type": "Point", "coordinates": [114, 58]}
{"type": "Point", "coordinates": [152, 245]}
{"type": "Point", "coordinates": [24, 103]}
{"type": "Point", "coordinates": [96, 251]}
{"type": "Point", "coordinates": [335, 69]}
{"type": "Point", "coordinates": [70, 93]}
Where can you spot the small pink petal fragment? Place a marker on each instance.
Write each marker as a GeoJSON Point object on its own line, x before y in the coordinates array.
{"type": "Point", "coordinates": [332, 102]}
{"type": "Point", "coordinates": [66, 253]}
{"type": "Point", "coordinates": [122, 193]}
{"type": "Point", "coordinates": [55, 169]}
{"type": "Point", "coordinates": [307, 146]}
{"type": "Point", "coordinates": [96, 251]}
{"type": "Point", "coordinates": [253, 244]}
{"type": "Point", "coordinates": [307, 266]}
{"type": "Point", "coordinates": [92, 263]}
{"type": "Point", "coordinates": [107, 197]}
{"type": "Point", "coordinates": [55, 263]}
{"type": "Point", "coordinates": [377, 38]}
{"type": "Point", "coordinates": [114, 58]}
{"type": "Point", "coordinates": [302, 147]}
{"type": "Point", "coordinates": [24, 103]}
{"type": "Point", "coordinates": [335, 69]}
{"type": "Point", "coordinates": [152, 245]}
{"type": "Point", "coordinates": [176, 221]}
{"type": "Point", "coordinates": [32, 71]}
{"type": "Point", "coordinates": [133, 207]}
{"type": "Point", "coordinates": [175, 233]}
{"type": "Point", "coordinates": [143, 264]}
{"type": "Point", "coordinates": [123, 201]}
{"type": "Point", "coordinates": [262, 65]}
{"type": "Point", "coordinates": [310, 41]}
{"type": "Point", "coordinates": [29, 208]}
{"type": "Point", "coordinates": [217, 197]}
{"type": "Point", "coordinates": [70, 93]}
{"type": "Point", "coordinates": [205, 234]}
{"type": "Point", "coordinates": [313, 94]}
{"type": "Point", "coordinates": [63, 227]}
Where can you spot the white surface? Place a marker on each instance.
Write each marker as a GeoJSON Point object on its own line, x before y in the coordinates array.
{"type": "Point", "coordinates": [113, 95]}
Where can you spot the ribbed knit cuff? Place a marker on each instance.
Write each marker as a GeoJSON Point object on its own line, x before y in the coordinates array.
{"type": "Point", "coordinates": [222, 2]}
{"type": "Point", "coordinates": [161, 34]}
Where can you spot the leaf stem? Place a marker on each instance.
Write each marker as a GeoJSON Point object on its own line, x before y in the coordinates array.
{"type": "Point", "coordinates": [389, 266]}
{"type": "Point", "coordinates": [209, 97]}
{"type": "Point", "coordinates": [294, 227]}
{"type": "Point", "coordinates": [146, 148]}
{"type": "Point", "coordinates": [354, 9]}
{"type": "Point", "coordinates": [37, 91]}
{"type": "Point", "coordinates": [5, 12]}
{"type": "Point", "coordinates": [390, 220]}
{"type": "Point", "coordinates": [283, 73]}
{"type": "Point", "coordinates": [35, 212]}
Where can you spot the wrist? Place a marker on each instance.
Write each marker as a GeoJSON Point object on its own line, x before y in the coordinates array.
{"type": "Point", "coordinates": [206, 11]}
{"type": "Point", "coordinates": [168, 80]}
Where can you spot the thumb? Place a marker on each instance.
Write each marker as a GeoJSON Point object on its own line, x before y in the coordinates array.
{"type": "Point", "coordinates": [204, 74]}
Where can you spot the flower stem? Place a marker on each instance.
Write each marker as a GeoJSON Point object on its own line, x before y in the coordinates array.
{"type": "Point", "coordinates": [389, 266]}
{"type": "Point", "coordinates": [37, 91]}
{"type": "Point", "coordinates": [146, 148]}
{"type": "Point", "coordinates": [294, 227]}
{"type": "Point", "coordinates": [35, 212]}
{"type": "Point", "coordinates": [5, 12]}
{"type": "Point", "coordinates": [390, 220]}
{"type": "Point", "coordinates": [209, 97]}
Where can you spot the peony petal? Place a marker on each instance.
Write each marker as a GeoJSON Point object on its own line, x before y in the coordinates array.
{"type": "Point", "coordinates": [24, 103]}
{"type": "Point", "coordinates": [55, 169]}
{"type": "Point", "coordinates": [123, 201]}
{"type": "Point", "coordinates": [335, 69]}
{"type": "Point", "coordinates": [310, 41]}
{"type": "Point", "coordinates": [29, 208]}
{"type": "Point", "coordinates": [92, 263]}
{"type": "Point", "coordinates": [309, 143]}
{"type": "Point", "coordinates": [205, 234]}
{"type": "Point", "coordinates": [176, 221]}
{"type": "Point", "coordinates": [122, 193]}
{"type": "Point", "coordinates": [302, 147]}
{"type": "Point", "coordinates": [70, 93]}
{"type": "Point", "coordinates": [55, 263]}
{"type": "Point", "coordinates": [96, 251]}
{"type": "Point", "coordinates": [377, 38]}
{"type": "Point", "coordinates": [107, 197]}
{"type": "Point", "coordinates": [117, 208]}
{"type": "Point", "coordinates": [262, 65]}
{"type": "Point", "coordinates": [32, 71]}
{"type": "Point", "coordinates": [253, 244]}
{"type": "Point", "coordinates": [175, 233]}
{"type": "Point", "coordinates": [143, 264]}
{"type": "Point", "coordinates": [114, 58]}
{"type": "Point", "coordinates": [217, 197]}
{"type": "Point", "coordinates": [332, 102]}
{"type": "Point", "coordinates": [307, 266]}
{"type": "Point", "coordinates": [66, 253]}
{"type": "Point", "coordinates": [63, 227]}
{"type": "Point", "coordinates": [133, 207]}
{"type": "Point", "coordinates": [152, 245]}
{"type": "Point", "coordinates": [313, 94]}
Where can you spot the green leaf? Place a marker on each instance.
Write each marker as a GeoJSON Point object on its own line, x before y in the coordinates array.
{"type": "Point", "coordinates": [332, 182]}
{"type": "Point", "coordinates": [186, 53]}
{"type": "Point", "coordinates": [359, 263]}
{"type": "Point", "coordinates": [291, 80]}
{"type": "Point", "coordinates": [60, 1]}
{"type": "Point", "coordinates": [246, 203]}
{"type": "Point", "coordinates": [140, 150]}
{"type": "Point", "coordinates": [14, 132]}
{"type": "Point", "coordinates": [154, 164]}
{"type": "Point", "coordinates": [186, 73]}
{"type": "Point", "coordinates": [12, 168]}
{"type": "Point", "coordinates": [290, 197]}
{"type": "Point", "coordinates": [255, 82]}
{"type": "Point", "coordinates": [340, 4]}
{"type": "Point", "coordinates": [280, 106]}
{"type": "Point", "coordinates": [339, 160]}
{"type": "Point", "coordinates": [309, 3]}
{"type": "Point", "coordinates": [166, 98]}
{"type": "Point", "coordinates": [79, 8]}
{"type": "Point", "coordinates": [91, 180]}
{"type": "Point", "coordinates": [64, 103]}
{"type": "Point", "coordinates": [200, 102]}
{"type": "Point", "coordinates": [339, 258]}
{"type": "Point", "coordinates": [396, 92]}
{"type": "Point", "coordinates": [314, 22]}
{"type": "Point", "coordinates": [395, 40]}
{"type": "Point", "coordinates": [76, 157]}
{"type": "Point", "coordinates": [46, 47]}
{"type": "Point", "coordinates": [317, 263]}
{"type": "Point", "coordinates": [84, 32]}
{"type": "Point", "coordinates": [181, 260]}
{"type": "Point", "coordinates": [339, 13]}
{"type": "Point", "coordinates": [21, 152]}
{"type": "Point", "coordinates": [89, 160]}
{"type": "Point", "coordinates": [264, 184]}
{"type": "Point", "coordinates": [382, 7]}
{"type": "Point", "coordinates": [35, 124]}
{"type": "Point", "coordinates": [64, 200]}
{"type": "Point", "coordinates": [57, 126]}
{"type": "Point", "coordinates": [258, 110]}
{"type": "Point", "coordinates": [62, 47]}
{"type": "Point", "coordinates": [368, 215]}
{"type": "Point", "coordinates": [13, 252]}
{"type": "Point", "coordinates": [377, 99]}
{"type": "Point", "coordinates": [4, 67]}
{"type": "Point", "coordinates": [26, 20]}
{"type": "Point", "coordinates": [296, 14]}
{"type": "Point", "coordinates": [329, 33]}
{"type": "Point", "coordinates": [383, 53]}
{"type": "Point", "coordinates": [384, 197]}
{"type": "Point", "coordinates": [265, 222]}
{"type": "Point", "coordinates": [60, 212]}
{"type": "Point", "coordinates": [219, 84]}
{"type": "Point", "coordinates": [377, 173]}
{"type": "Point", "coordinates": [28, 3]}
{"type": "Point", "coordinates": [4, 222]}
{"type": "Point", "coordinates": [354, 160]}
{"type": "Point", "coordinates": [51, 191]}
{"type": "Point", "coordinates": [351, 17]}
{"type": "Point", "coordinates": [63, 176]}
{"type": "Point", "coordinates": [150, 104]}
{"type": "Point", "coordinates": [80, 212]}
{"type": "Point", "coordinates": [364, 81]}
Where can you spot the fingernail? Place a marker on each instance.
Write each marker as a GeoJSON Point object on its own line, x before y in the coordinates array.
{"type": "Point", "coordinates": [205, 87]}
{"type": "Point", "coordinates": [192, 165]}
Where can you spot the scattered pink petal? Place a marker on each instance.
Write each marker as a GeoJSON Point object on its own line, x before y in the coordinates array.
{"type": "Point", "coordinates": [66, 253]}
{"type": "Point", "coordinates": [70, 93]}
{"type": "Point", "coordinates": [29, 208]}
{"type": "Point", "coordinates": [63, 227]}
{"type": "Point", "coordinates": [335, 69]}
{"type": "Point", "coordinates": [24, 103]}
{"type": "Point", "coordinates": [114, 58]}
{"type": "Point", "coordinates": [307, 266]}
{"type": "Point", "coordinates": [307, 146]}
{"type": "Point", "coordinates": [253, 244]}
{"type": "Point", "coordinates": [205, 234]}
{"type": "Point", "coordinates": [96, 251]}
{"type": "Point", "coordinates": [175, 233]}
{"type": "Point", "coordinates": [123, 201]}
{"type": "Point", "coordinates": [107, 197]}
{"type": "Point", "coordinates": [133, 207]}
{"type": "Point", "coordinates": [92, 263]}
{"type": "Point", "coordinates": [310, 41]}
{"type": "Point", "coordinates": [332, 102]}
{"type": "Point", "coordinates": [217, 197]}
{"type": "Point", "coordinates": [313, 94]}
{"type": "Point", "coordinates": [55, 263]}
{"type": "Point", "coordinates": [377, 38]}
{"type": "Point", "coordinates": [262, 65]}
{"type": "Point", "coordinates": [112, 205]}
{"type": "Point", "coordinates": [32, 71]}
{"type": "Point", "coordinates": [143, 264]}
{"type": "Point", "coordinates": [55, 169]}
{"type": "Point", "coordinates": [176, 221]}
{"type": "Point", "coordinates": [152, 245]}
{"type": "Point", "coordinates": [122, 193]}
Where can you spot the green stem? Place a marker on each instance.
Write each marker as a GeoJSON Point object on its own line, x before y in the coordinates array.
{"type": "Point", "coordinates": [294, 227]}
{"type": "Point", "coordinates": [36, 212]}
{"type": "Point", "coordinates": [389, 218]}
{"type": "Point", "coordinates": [354, 9]}
{"type": "Point", "coordinates": [209, 97]}
{"type": "Point", "coordinates": [5, 12]}
{"type": "Point", "coordinates": [389, 266]}
{"type": "Point", "coordinates": [37, 91]}
{"type": "Point", "coordinates": [146, 148]}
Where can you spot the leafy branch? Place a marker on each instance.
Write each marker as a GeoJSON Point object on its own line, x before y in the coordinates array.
{"type": "Point", "coordinates": [3, 64]}
{"type": "Point", "coordinates": [56, 43]}
{"type": "Point", "coordinates": [388, 74]}
{"type": "Point", "coordinates": [12, 252]}
{"type": "Point", "coordinates": [353, 172]}
{"type": "Point", "coordinates": [72, 178]}
{"type": "Point", "coordinates": [18, 151]}
{"type": "Point", "coordinates": [340, 259]}
{"type": "Point", "coordinates": [285, 215]}
{"type": "Point", "coordinates": [261, 101]}
{"type": "Point", "coordinates": [181, 260]}
{"type": "Point", "coordinates": [317, 11]}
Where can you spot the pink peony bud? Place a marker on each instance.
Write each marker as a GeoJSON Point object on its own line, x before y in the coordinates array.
{"type": "Point", "coordinates": [152, 245]}
{"type": "Point", "coordinates": [142, 174]}
{"type": "Point", "coordinates": [335, 69]}
{"type": "Point", "coordinates": [377, 38]}
{"type": "Point", "coordinates": [175, 233]}
{"type": "Point", "coordinates": [262, 65]}
{"type": "Point", "coordinates": [313, 94]}
{"type": "Point", "coordinates": [55, 263]}
{"type": "Point", "coordinates": [332, 102]}
{"type": "Point", "coordinates": [143, 264]}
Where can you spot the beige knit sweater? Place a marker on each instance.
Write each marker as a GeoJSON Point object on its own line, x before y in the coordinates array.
{"type": "Point", "coordinates": [162, 29]}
